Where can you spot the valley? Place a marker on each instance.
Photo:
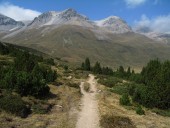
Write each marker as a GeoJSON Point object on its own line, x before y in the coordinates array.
{"type": "Point", "coordinates": [64, 69]}
{"type": "Point", "coordinates": [73, 37]}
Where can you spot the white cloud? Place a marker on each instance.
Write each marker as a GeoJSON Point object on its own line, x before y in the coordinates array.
{"type": "Point", "coordinates": [17, 13]}
{"type": "Point", "coordinates": [134, 3]}
{"type": "Point", "coordinates": [158, 24]}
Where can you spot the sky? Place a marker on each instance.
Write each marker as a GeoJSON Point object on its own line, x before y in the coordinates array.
{"type": "Point", "coordinates": [150, 13]}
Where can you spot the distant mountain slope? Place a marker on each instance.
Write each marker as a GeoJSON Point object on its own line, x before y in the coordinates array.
{"type": "Point", "coordinates": [74, 43]}
{"type": "Point", "coordinates": [31, 50]}
{"type": "Point", "coordinates": [156, 36]}
{"type": "Point", "coordinates": [73, 37]}
{"type": "Point", "coordinates": [9, 24]}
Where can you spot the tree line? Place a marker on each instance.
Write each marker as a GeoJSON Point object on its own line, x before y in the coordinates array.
{"type": "Point", "coordinates": [150, 88]}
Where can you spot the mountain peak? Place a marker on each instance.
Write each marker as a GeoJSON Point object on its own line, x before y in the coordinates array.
{"type": "Point", "coordinates": [70, 13]}
{"type": "Point", "coordinates": [9, 24]}
{"type": "Point", "coordinates": [68, 16]}
{"type": "Point", "coordinates": [114, 24]}
{"type": "Point", "coordinates": [70, 10]}
{"type": "Point", "coordinates": [109, 21]}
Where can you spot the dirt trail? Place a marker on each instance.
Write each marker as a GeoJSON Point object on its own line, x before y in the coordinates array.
{"type": "Point", "coordinates": [89, 116]}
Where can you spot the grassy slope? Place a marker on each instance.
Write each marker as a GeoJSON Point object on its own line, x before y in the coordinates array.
{"type": "Point", "coordinates": [126, 49]}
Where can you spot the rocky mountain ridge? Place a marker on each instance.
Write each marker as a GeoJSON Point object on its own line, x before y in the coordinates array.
{"type": "Point", "coordinates": [112, 24]}
{"type": "Point", "coordinates": [9, 24]}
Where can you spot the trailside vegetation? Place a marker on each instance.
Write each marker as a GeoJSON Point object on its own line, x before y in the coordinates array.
{"type": "Point", "coordinates": [25, 74]}
{"type": "Point", "coordinates": [150, 88]}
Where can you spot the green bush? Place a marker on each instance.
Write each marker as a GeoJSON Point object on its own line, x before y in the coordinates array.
{"type": "Point", "coordinates": [125, 100]}
{"type": "Point", "coordinates": [109, 81]}
{"type": "Point", "coordinates": [139, 110]}
{"type": "Point", "coordinates": [49, 61]}
{"type": "Point", "coordinates": [119, 89]}
{"type": "Point", "coordinates": [15, 105]}
{"type": "Point", "coordinates": [86, 87]}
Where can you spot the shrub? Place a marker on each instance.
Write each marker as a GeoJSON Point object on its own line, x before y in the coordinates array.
{"type": "Point", "coordinates": [65, 67]}
{"type": "Point", "coordinates": [15, 105]}
{"type": "Point", "coordinates": [86, 87]}
{"type": "Point", "coordinates": [109, 81]}
{"type": "Point", "coordinates": [125, 100]}
{"type": "Point", "coordinates": [120, 88]}
{"type": "Point", "coordinates": [49, 61]}
{"type": "Point", "coordinates": [131, 88]}
{"type": "Point", "coordinates": [139, 110]}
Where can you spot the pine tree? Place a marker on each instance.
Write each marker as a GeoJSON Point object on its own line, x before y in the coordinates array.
{"type": "Point", "coordinates": [83, 66]}
{"type": "Point", "coordinates": [128, 72]}
{"type": "Point", "coordinates": [87, 64]}
{"type": "Point", "coordinates": [97, 68]}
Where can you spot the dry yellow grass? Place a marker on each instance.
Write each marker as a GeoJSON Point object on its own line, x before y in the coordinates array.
{"type": "Point", "coordinates": [109, 104]}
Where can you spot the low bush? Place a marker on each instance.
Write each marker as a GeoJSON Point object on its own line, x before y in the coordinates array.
{"type": "Point", "coordinates": [125, 100]}
{"type": "Point", "coordinates": [49, 61]}
{"type": "Point", "coordinates": [14, 105]}
{"type": "Point", "coordinates": [139, 110]}
{"type": "Point", "coordinates": [119, 89]}
{"type": "Point", "coordinates": [86, 87]}
{"type": "Point", "coordinates": [109, 81]}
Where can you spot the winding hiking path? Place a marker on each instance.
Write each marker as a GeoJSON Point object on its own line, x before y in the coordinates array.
{"type": "Point", "coordinates": [89, 116]}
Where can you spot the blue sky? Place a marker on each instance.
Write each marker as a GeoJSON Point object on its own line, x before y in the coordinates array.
{"type": "Point", "coordinates": [132, 11]}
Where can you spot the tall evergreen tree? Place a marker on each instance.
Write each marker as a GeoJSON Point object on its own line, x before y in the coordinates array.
{"type": "Point", "coordinates": [97, 68]}
{"type": "Point", "coordinates": [128, 72]}
{"type": "Point", "coordinates": [87, 64]}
